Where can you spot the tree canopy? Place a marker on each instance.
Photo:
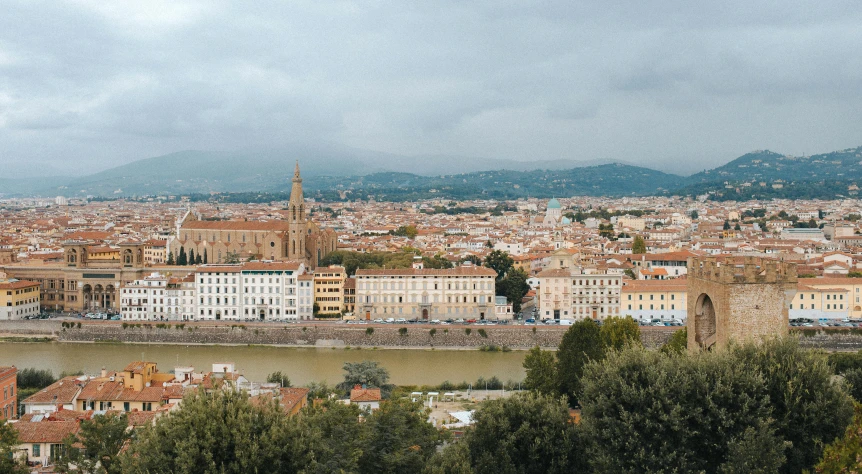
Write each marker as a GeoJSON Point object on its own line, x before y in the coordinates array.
{"type": "Point", "coordinates": [367, 373]}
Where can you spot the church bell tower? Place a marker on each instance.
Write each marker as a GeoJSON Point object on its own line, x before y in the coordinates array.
{"type": "Point", "coordinates": [296, 219]}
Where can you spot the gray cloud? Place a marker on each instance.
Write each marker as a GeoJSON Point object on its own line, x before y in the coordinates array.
{"type": "Point", "coordinates": [87, 85]}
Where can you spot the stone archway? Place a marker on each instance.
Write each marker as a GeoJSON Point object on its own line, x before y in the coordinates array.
{"type": "Point", "coordinates": [705, 323]}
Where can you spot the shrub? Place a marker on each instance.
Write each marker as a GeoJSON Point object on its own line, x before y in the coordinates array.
{"type": "Point", "coordinates": [79, 325]}
{"type": "Point", "coordinates": [432, 331]}
{"type": "Point", "coordinates": [125, 325]}
{"type": "Point", "coordinates": [482, 333]}
{"type": "Point", "coordinates": [468, 331]}
{"type": "Point", "coordinates": [402, 331]}
{"type": "Point", "coordinates": [369, 331]}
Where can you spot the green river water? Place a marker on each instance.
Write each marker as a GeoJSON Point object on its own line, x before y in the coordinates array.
{"type": "Point", "coordinates": [302, 365]}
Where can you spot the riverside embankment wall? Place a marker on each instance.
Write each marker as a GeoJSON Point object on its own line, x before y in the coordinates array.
{"type": "Point", "coordinates": [326, 334]}
{"type": "Point", "coordinates": [388, 335]}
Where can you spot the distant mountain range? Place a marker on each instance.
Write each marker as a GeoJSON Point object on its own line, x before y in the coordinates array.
{"type": "Point", "coordinates": [334, 172]}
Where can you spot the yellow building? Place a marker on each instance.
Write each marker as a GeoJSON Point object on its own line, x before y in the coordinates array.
{"type": "Point", "coordinates": [655, 299]}
{"type": "Point", "coordinates": [139, 387]}
{"type": "Point", "coordinates": [18, 299]}
{"type": "Point", "coordinates": [329, 290]}
{"type": "Point", "coordinates": [827, 298]}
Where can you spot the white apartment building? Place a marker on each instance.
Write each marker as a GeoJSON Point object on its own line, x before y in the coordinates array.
{"type": "Point", "coordinates": [269, 291]}
{"type": "Point", "coordinates": [568, 293]}
{"type": "Point", "coordinates": [305, 297]}
{"type": "Point", "coordinates": [181, 299]}
{"type": "Point", "coordinates": [465, 292]}
{"type": "Point", "coordinates": [145, 299]}
{"type": "Point", "coordinates": [217, 289]}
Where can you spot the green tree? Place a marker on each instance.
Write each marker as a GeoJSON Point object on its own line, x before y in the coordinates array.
{"type": "Point", "coordinates": [320, 390]}
{"type": "Point", "coordinates": [397, 438]}
{"type": "Point", "coordinates": [205, 259]}
{"type": "Point", "coordinates": [437, 261]}
{"type": "Point", "coordinates": [809, 408]}
{"type": "Point", "coordinates": [474, 259]}
{"type": "Point", "coordinates": [219, 433]}
{"type": "Point", "coordinates": [582, 343]}
{"type": "Point", "coordinates": [9, 463]}
{"type": "Point", "coordinates": [677, 344]}
{"type": "Point", "coordinates": [192, 257]}
{"type": "Point", "coordinates": [646, 412]}
{"type": "Point", "coordinates": [541, 368]}
{"type": "Point", "coordinates": [638, 245]}
{"type": "Point", "coordinates": [337, 435]}
{"type": "Point", "coordinates": [408, 231]}
{"type": "Point", "coordinates": [853, 381]}
{"type": "Point", "coordinates": [367, 373]}
{"type": "Point", "coordinates": [455, 459]}
{"type": "Point", "coordinates": [198, 259]}
{"type": "Point", "coordinates": [606, 230]}
{"type": "Point", "coordinates": [182, 259]}
{"type": "Point", "coordinates": [230, 258]}
{"type": "Point", "coordinates": [279, 378]}
{"type": "Point", "coordinates": [526, 433]}
{"type": "Point", "coordinates": [726, 225]}
{"type": "Point", "coordinates": [97, 445]}
{"type": "Point", "coordinates": [171, 260]}
{"type": "Point", "coordinates": [694, 215]}
{"type": "Point", "coordinates": [513, 286]}
{"type": "Point", "coordinates": [844, 455]}
{"type": "Point", "coordinates": [619, 332]}
{"type": "Point", "coordinates": [500, 262]}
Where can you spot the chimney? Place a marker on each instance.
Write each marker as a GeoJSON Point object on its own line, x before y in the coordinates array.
{"type": "Point", "coordinates": [104, 372]}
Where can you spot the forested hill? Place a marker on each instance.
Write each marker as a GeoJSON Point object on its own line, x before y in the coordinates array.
{"type": "Point", "coordinates": [768, 166]}
{"type": "Point", "coordinates": [601, 180]}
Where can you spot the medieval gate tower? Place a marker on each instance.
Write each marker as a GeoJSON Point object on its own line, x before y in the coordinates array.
{"type": "Point", "coordinates": [728, 300]}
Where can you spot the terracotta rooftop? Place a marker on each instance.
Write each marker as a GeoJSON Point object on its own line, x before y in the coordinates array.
{"type": "Point", "coordinates": [365, 395]}
{"type": "Point", "coordinates": [53, 432]}
{"type": "Point", "coordinates": [457, 271]}
{"type": "Point", "coordinates": [237, 225]}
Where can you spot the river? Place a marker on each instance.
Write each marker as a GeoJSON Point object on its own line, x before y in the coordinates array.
{"type": "Point", "coordinates": [302, 365]}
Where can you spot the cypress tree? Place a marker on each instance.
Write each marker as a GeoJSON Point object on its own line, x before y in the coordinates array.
{"type": "Point", "coordinates": [170, 258]}
{"type": "Point", "coordinates": [192, 257]}
{"type": "Point", "coordinates": [182, 259]}
{"type": "Point", "coordinates": [205, 257]}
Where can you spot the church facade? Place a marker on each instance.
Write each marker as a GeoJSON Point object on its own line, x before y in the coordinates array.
{"type": "Point", "coordinates": [296, 239]}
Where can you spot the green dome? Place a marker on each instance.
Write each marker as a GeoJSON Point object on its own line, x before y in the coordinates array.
{"type": "Point", "coordinates": [554, 204]}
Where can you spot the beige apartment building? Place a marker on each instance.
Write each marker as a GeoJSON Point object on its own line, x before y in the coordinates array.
{"type": "Point", "coordinates": [568, 293]}
{"type": "Point", "coordinates": [655, 299]}
{"type": "Point", "coordinates": [18, 298]}
{"type": "Point", "coordinates": [465, 292]}
{"type": "Point", "coordinates": [831, 298]}
{"type": "Point", "coordinates": [329, 290]}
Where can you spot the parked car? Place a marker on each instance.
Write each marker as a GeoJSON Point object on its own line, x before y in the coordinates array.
{"type": "Point", "coordinates": [530, 321]}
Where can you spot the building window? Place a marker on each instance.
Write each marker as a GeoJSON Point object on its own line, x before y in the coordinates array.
{"type": "Point", "coordinates": [37, 450]}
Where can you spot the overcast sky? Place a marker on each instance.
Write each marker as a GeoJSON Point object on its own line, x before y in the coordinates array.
{"type": "Point", "coordinates": [671, 84]}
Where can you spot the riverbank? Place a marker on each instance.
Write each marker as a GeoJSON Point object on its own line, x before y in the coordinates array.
{"type": "Point", "coordinates": [412, 336]}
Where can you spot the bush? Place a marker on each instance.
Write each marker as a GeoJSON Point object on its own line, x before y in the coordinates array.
{"type": "Point", "coordinates": [79, 325]}
{"type": "Point", "coordinates": [468, 331]}
{"type": "Point", "coordinates": [482, 332]}
{"type": "Point", "coordinates": [432, 331]}
{"type": "Point", "coordinates": [402, 331]}
{"type": "Point", "coordinates": [369, 331]}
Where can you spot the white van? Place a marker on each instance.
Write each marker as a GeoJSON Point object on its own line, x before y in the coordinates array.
{"type": "Point", "coordinates": [566, 322]}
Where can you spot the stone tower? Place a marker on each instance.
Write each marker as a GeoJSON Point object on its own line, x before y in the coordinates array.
{"type": "Point", "coordinates": [737, 300]}
{"type": "Point", "coordinates": [298, 224]}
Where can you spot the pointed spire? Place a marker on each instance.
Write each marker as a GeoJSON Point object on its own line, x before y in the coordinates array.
{"type": "Point", "coordinates": [296, 171]}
